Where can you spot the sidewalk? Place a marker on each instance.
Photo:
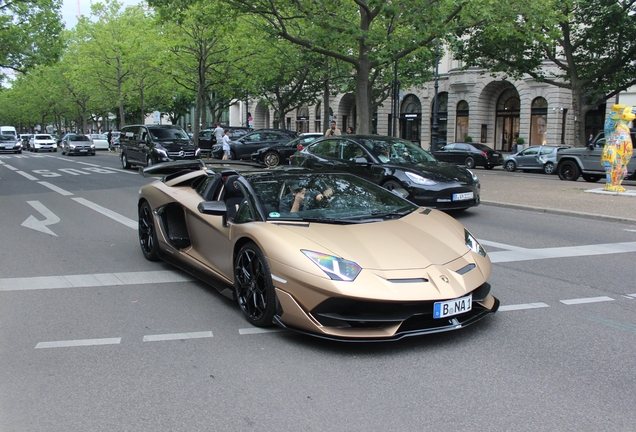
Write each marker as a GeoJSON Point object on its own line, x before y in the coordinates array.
{"type": "Point", "coordinates": [547, 194]}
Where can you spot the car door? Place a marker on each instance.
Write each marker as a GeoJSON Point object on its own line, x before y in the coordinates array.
{"type": "Point", "coordinates": [243, 148]}
{"type": "Point", "coordinates": [528, 158]}
{"type": "Point", "coordinates": [353, 158]}
{"type": "Point", "coordinates": [591, 159]}
{"type": "Point", "coordinates": [320, 155]}
{"type": "Point", "coordinates": [445, 154]}
{"type": "Point", "coordinates": [205, 139]}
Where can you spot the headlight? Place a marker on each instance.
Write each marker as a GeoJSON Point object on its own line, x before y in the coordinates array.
{"type": "Point", "coordinates": [475, 179]}
{"type": "Point", "coordinates": [336, 268]}
{"type": "Point", "coordinates": [71, 146]}
{"type": "Point", "coordinates": [472, 243]}
{"type": "Point", "coordinates": [416, 178]}
{"type": "Point", "coordinates": [197, 152]}
{"type": "Point", "coordinates": [162, 152]}
{"type": "Point", "coordinates": [93, 146]}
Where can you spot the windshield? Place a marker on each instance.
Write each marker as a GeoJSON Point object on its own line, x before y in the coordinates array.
{"type": "Point", "coordinates": [330, 198]}
{"type": "Point", "coordinates": [43, 137]}
{"type": "Point", "coordinates": [168, 134]}
{"type": "Point", "coordinates": [397, 151]}
{"type": "Point", "coordinates": [7, 138]}
{"type": "Point", "coordinates": [99, 136]}
{"type": "Point", "coordinates": [78, 138]}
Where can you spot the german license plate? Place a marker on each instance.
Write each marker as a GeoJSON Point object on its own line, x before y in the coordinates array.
{"type": "Point", "coordinates": [463, 196]}
{"type": "Point", "coordinates": [8, 147]}
{"type": "Point", "coordinates": [452, 307]}
{"type": "Point", "coordinates": [84, 151]}
{"type": "Point", "coordinates": [495, 154]}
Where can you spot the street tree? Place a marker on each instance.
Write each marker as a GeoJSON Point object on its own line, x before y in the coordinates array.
{"type": "Point", "coordinates": [585, 46]}
{"type": "Point", "coordinates": [368, 35]}
{"type": "Point", "coordinates": [29, 33]}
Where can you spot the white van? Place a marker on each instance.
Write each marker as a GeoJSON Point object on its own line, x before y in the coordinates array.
{"type": "Point", "coordinates": [8, 130]}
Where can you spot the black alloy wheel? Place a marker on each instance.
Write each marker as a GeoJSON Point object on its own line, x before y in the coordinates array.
{"type": "Point", "coordinates": [548, 168]}
{"type": "Point", "coordinates": [568, 170]}
{"type": "Point", "coordinates": [469, 162]}
{"type": "Point", "coordinates": [147, 233]}
{"type": "Point", "coordinates": [124, 161]}
{"type": "Point", "coordinates": [253, 284]}
{"type": "Point", "coordinates": [510, 166]}
{"type": "Point", "coordinates": [271, 159]}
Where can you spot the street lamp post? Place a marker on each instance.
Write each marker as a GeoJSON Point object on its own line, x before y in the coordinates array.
{"type": "Point", "coordinates": [396, 100]}
{"type": "Point", "coordinates": [247, 109]}
{"type": "Point", "coordinates": [435, 127]}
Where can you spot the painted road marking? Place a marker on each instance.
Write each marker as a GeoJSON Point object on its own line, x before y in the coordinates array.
{"type": "Point", "coordinates": [108, 213]}
{"type": "Point", "coordinates": [12, 168]}
{"type": "Point", "coordinates": [27, 175]}
{"type": "Point", "coordinates": [586, 300]}
{"type": "Point", "coordinates": [257, 330]}
{"type": "Point", "coordinates": [177, 336]}
{"type": "Point", "coordinates": [92, 280]}
{"type": "Point", "coordinates": [38, 225]}
{"type": "Point", "coordinates": [79, 342]}
{"type": "Point", "coordinates": [523, 306]}
{"type": "Point", "coordinates": [55, 188]}
{"type": "Point", "coordinates": [561, 252]}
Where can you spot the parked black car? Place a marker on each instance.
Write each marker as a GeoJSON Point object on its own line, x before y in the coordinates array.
{"type": "Point", "coordinates": [469, 154]}
{"type": "Point", "coordinates": [243, 147]}
{"type": "Point", "coordinates": [277, 154]}
{"type": "Point", "coordinates": [150, 144]}
{"type": "Point", "coordinates": [395, 164]}
{"type": "Point", "coordinates": [78, 144]}
{"type": "Point", "coordinates": [207, 139]}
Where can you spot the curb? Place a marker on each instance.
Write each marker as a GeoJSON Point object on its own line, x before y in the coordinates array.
{"type": "Point", "coordinates": [592, 216]}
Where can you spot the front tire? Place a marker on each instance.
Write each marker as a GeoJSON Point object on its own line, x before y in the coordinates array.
{"type": "Point", "coordinates": [510, 166]}
{"type": "Point", "coordinates": [147, 233]}
{"type": "Point", "coordinates": [392, 185]}
{"type": "Point", "coordinates": [253, 285]}
{"type": "Point", "coordinates": [469, 162]}
{"type": "Point", "coordinates": [569, 170]}
{"type": "Point", "coordinates": [124, 161]}
{"type": "Point", "coordinates": [271, 159]}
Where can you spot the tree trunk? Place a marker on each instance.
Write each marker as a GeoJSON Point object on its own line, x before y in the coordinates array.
{"type": "Point", "coordinates": [363, 97]}
{"type": "Point", "coordinates": [579, 117]}
{"type": "Point", "coordinates": [325, 100]}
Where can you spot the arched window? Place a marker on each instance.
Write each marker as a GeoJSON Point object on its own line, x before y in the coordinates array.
{"type": "Point", "coordinates": [411, 118]}
{"type": "Point", "coordinates": [538, 121]}
{"type": "Point", "coordinates": [461, 126]}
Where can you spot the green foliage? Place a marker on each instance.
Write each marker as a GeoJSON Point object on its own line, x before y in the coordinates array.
{"type": "Point", "coordinates": [468, 139]}
{"type": "Point", "coordinates": [520, 140]}
{"type": "Point", "coordinates": [29, 33]}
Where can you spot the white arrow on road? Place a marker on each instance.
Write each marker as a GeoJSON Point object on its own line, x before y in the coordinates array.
{"type": "Point", "coordinates": [39, 225]}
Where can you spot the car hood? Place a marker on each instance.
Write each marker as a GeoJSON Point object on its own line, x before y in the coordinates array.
{"type": "Point", "coordinates": [176, 145]}
{"type": "Point", "coordinates": [416, 241]}
{"type": "Point", "coordinates": [441, 172]}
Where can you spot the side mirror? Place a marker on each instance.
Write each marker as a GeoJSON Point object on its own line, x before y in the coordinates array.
{"type": "Point", "coordinates": [214, 208]}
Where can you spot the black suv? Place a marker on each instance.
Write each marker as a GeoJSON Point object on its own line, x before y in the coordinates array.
{"type": "Point", "coordinates": [585, 162]}
{"type": "Point", "coordinates": [243, 147]}
{"type": "Point", "coordinates": [150, 144]}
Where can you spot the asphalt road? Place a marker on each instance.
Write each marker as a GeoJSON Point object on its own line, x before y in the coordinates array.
{"type": "Point", "coordinates": [93, 337]}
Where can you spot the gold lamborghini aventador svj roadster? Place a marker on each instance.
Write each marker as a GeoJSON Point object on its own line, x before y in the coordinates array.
{"type": "Point", "coordinates": [326, 254]}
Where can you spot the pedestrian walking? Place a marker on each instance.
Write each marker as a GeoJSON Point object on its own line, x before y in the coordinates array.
{"type": "Point", "coordinates": [110, 139]}
{"type": "Point", "coordinates": [226, 145]}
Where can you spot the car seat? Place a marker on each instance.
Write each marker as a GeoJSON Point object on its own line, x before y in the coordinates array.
{"type": "Point", "coordinates": [232, 196]}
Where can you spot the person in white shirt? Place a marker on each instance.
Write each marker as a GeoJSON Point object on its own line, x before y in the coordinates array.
{"type": "Point", "coordinates": [226, 145]}
{"type": "Point", "coordinates": [218, 133]}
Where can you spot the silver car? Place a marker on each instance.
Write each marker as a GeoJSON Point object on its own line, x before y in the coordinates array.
{"type": "Point", "coordinates": [534, 158]}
